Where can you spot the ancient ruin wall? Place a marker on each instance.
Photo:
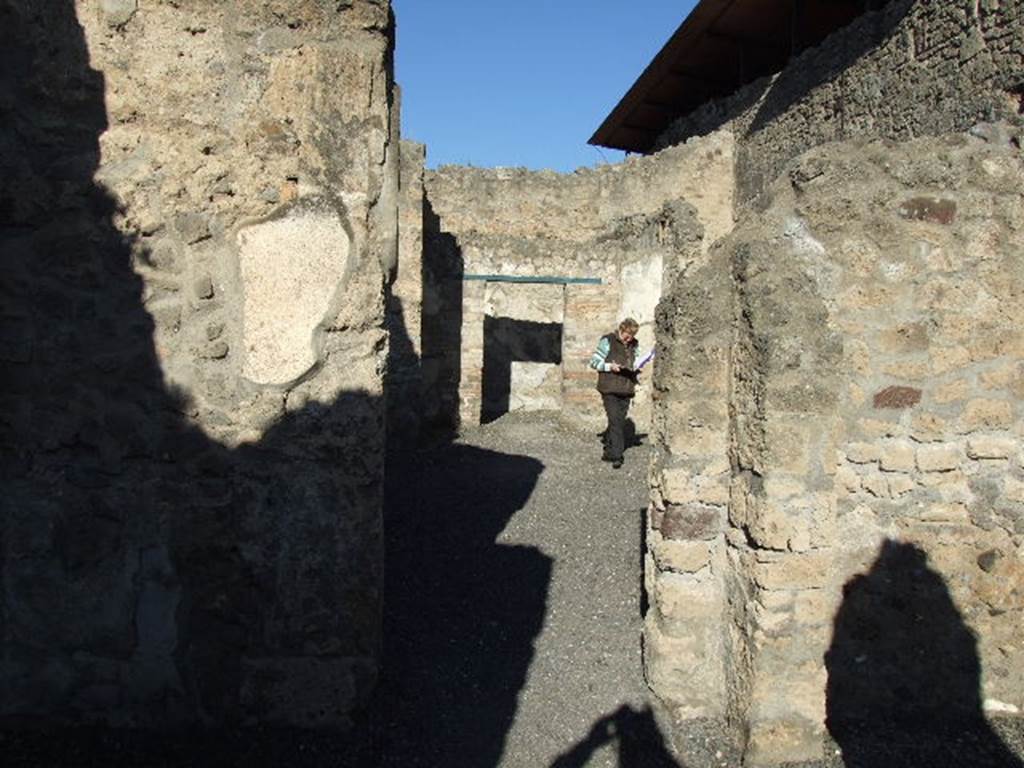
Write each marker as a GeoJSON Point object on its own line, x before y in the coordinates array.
{"type": "Point", "coordinates": [405, 305]}
{"type": "Point", "coordinates": [198, 216]}
{"type": "Point", "coordinates": [847, 507]}
{"type": "Point", "coordinates": [609, 223]}
{"type": "Point", "coordinates": [913, 68]}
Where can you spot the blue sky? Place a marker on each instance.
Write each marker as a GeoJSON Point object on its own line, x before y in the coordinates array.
{"type": "Point", "coordinates": [522, 82]}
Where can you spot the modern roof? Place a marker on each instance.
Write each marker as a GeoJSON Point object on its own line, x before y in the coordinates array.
{"type": "Point", "coordinates": [720, 46]}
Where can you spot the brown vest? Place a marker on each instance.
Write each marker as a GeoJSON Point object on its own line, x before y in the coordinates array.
{"type": "Point", "coordinates": [616, 383]}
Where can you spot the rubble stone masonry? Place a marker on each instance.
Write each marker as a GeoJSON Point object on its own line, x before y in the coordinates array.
{"type": "Point", "coordinates": [621, 224]}
{"type": "Point", "coordinates": [198, 219]}
{"type": "Point", "coordinates": [911, 69]}
{"type": "Point", "coordinates": [837, 523]}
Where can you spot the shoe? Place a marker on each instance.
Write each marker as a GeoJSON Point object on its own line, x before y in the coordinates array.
{"type": "Point", "coordinates": [617, 463]}
{"type": "Point", "coordinates": [607, 458]}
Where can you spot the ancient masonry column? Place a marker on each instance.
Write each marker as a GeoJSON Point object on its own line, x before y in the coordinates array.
{"type": "Point", "coordinates": [782, 506]}
{"type": "Point", "coordinates": [472, 352]}
{"type": "Point", "coordinates": [405, 304]}
{"type": "Point", "coordinates": [589, 314]}
{"type": "Point", "coordinates": [686, 642]}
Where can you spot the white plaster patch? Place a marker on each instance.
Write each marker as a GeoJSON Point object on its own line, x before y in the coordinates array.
{"type": "Point", "coordinates": [894, 271]}
{"type": "Point", "coordinates": [290, 269]}
{"type": "Point", "coordinates": [994, 705]}
{"type": "Point", "coordinates": [535, 387]}
{"type": "Point", "coordinates": [799, 234]}
{"type": "Point", "coordinates": [533, 302]}
{"type": "Point", "coordinates": [641, 289]}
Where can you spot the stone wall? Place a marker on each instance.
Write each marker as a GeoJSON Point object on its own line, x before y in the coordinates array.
{"type": "Point", "coordinates": [405, 305]}
{"type": "Point", "coordinates": [616, 224]}
{"type": "Point", "coordinates": [837, 523]}
{"type": "Point", "coordinates": [198, 217]}
{"type": "Point", "coordinates": [913, 68]}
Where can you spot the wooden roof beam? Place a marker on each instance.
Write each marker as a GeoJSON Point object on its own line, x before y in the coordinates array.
{"type": "Point", "coordinates": [741, 41]}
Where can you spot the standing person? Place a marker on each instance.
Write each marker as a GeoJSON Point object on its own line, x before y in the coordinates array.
{"type": "Point", "coordinates": [616, 381]}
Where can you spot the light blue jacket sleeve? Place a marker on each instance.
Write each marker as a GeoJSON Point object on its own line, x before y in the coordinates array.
{"type": "Point", "coordinates": [597, 360]}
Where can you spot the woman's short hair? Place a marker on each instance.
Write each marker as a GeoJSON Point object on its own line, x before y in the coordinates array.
{"type": "Point", "coordinates": [629, 325]}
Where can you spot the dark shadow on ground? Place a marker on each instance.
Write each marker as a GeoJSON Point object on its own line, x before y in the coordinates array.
{"type": "Point", "coordinates": [93, 747]}
{"type": "Point", "coordinates": [461, 611]}
{"type": "Point", "coordinates": [903, 672]}
{"type": "Point", "coordinates": [636, 735]}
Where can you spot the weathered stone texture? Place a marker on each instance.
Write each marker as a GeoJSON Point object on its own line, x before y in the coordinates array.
{"type": "Point", "coordinates": [620, 224]}
{"type": "Point", "coordinates": [911, 69]}
{"type": "Point", "coordinates": [405, 305]}
{"type": "Point", "coordinates": [851, 375]}
{"type": "Point", "coordinates": [198, 215]}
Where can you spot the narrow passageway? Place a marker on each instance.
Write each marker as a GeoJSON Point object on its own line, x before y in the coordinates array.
{"type": "Point", "coordinates": [512, 610]}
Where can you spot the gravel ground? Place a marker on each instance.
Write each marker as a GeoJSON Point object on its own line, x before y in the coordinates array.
{"type": "Point", "coordinates": [512, 636]}
{"type": "Point", "coordinates": [512, 622]}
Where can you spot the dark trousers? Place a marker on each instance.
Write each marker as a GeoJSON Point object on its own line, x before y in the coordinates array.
{"type": "Point", "coordinates": [615, 408]}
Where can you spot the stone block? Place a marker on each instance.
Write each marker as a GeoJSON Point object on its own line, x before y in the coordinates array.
{"type": "Point", "coordinates": [953, 392]}
{"type": "Point", "coordinates": [904, 339]}
{"type": "Point", "coordinates": [847, 480]}
{"type": "Point", "coordinates": [984, 414]}
{"type": "Point", "coordinates": [897, 397]}
{"type": "Point", "coordinates": [946, 512]}
{"type": "Point", "coordinates": [1005, 376]}
{"type": "Point", "coordinates": [788, 446]}
{"type": "Point", "coordinates": [784, 525]}
{"type": "Point", "coordinates": [1013, 489]}
{"type": "Point", "coordinates": [863, 453]}
{"type": "Point", "coordinates": [686, 672]}
{"type": "Point", "coordinates": [928, 427]}
{"type": "Point", "coordinates": [946, 359]}
{"type": "Point", "coordinates": [938, 458]}
{"type": "Point", "coordinates": [900, 485]}
{"type": "Point", "coordinates": [897, 457]}
{"type": "Point", "coordinates": [987, 447]}
{"type": "Point", "coordinates": [685, 603]}
{"type": "Point", "coordinates": [876, 484]}
{"type": "Point", "coordinates": [876, 428]}
{"type": "Point", "coordinates": [805, 570]}
{"type": "Point", "coordinates": [692, 522]}
{"type": "Point", "coordinates": [678, 485]}
{"type": "Point", "coordinates": [783, 740]}
{"type": "Point", "coordinates": [713, 491]}
{"type": "Point", "coordinates": [680, 556]}
{"type": "Point", "coordinates": [814, 607]}
{"type": "Point", "coordinates": [695, 442]}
